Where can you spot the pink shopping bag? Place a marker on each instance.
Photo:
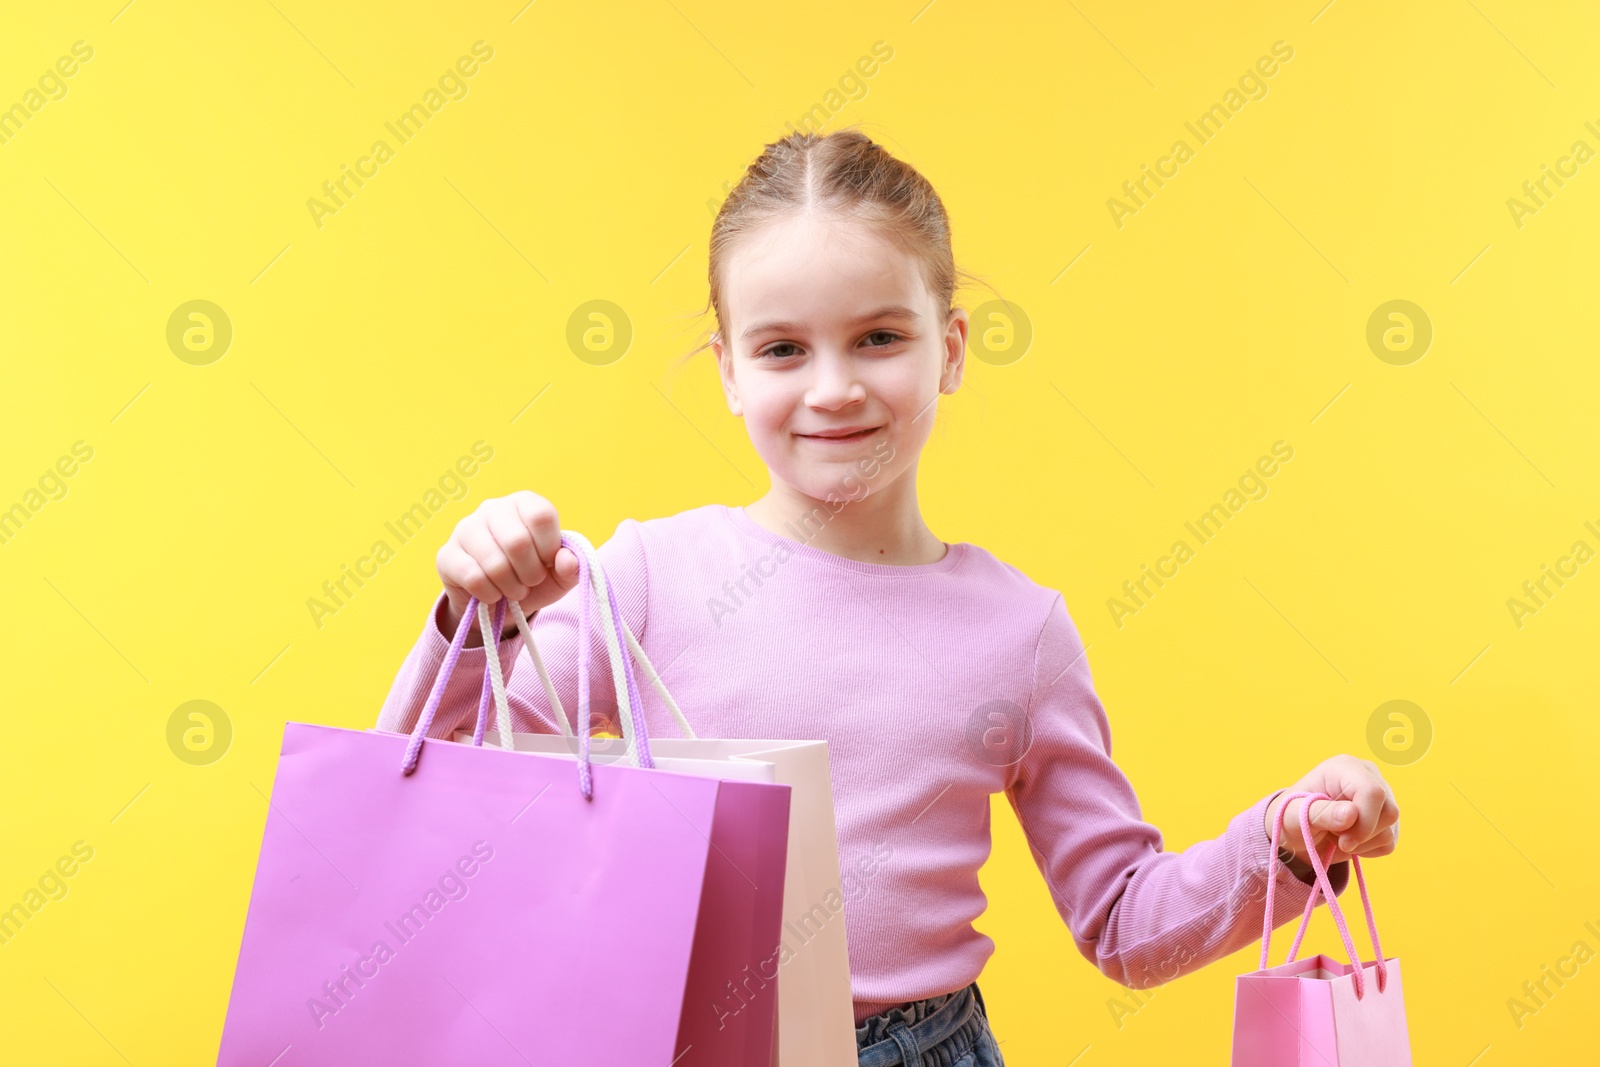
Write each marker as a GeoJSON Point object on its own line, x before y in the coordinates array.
{"type": "Point", "coordinates": [1318, 1012]}
{"type": "Point", "coordinates": [472, 905]}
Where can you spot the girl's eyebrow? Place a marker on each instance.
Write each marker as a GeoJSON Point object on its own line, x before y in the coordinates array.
{"type": "Point", "coordinates": [888, 311]}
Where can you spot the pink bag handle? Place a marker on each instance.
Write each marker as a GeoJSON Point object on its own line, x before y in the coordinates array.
{"type": "Point", "coordinates": [585, 776]}
{"type": "Point", "coordinates": [1323, 887]}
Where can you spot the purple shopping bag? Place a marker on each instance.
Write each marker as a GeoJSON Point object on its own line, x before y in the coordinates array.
{"type": "Point", "coordinates": [1318, 1012]}
{"type": "Point", "coordinates": [491, 908]}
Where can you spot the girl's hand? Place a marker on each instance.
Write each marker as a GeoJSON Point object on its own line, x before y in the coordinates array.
{"type": "Point", "coordinates": [1361, 820]}
{"type": "Point", "coordinates": [509, 547]}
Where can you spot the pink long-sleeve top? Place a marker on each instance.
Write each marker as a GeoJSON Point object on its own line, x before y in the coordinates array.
{"type": "Point", "coordinates": [935, 686]}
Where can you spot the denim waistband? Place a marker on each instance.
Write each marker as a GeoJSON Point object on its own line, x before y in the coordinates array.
{"type": "Point", "coordinates": [908, 1038]}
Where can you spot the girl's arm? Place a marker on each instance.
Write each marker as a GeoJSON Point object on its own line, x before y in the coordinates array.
{"type": "Point", "coordinates": [1143, 916]}
{"type": "Point", "coordinates": [555, 631]}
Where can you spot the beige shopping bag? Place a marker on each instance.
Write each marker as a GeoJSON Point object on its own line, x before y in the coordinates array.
{"type": "Point", "coordinates": [811, 964]}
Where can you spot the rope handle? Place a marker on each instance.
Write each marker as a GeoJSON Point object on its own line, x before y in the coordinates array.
{"type": "Point", "coordinates": [603, 602]}
{"type": "Point", "coordinates": [611, 621]}
{"type": "Point", "coordinates": [1323, 888]}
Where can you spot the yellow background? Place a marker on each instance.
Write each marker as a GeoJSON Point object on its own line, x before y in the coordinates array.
{"type": "Point", "coordinates": [1228, 313]}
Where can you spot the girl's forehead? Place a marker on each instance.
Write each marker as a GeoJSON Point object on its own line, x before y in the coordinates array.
{"type": "Point", "coordinates": [803, 268]}
{"type": "Point", "coordinates": [816, 234]}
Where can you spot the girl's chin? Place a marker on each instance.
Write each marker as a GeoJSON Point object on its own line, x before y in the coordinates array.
{"type": "Point", "coordinates": [835, 481]}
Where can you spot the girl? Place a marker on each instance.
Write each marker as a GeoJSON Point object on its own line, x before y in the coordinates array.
{"type": "Point", "coordinates": [938, 674]}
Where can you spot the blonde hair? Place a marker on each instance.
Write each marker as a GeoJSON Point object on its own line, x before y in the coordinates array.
{"type": "Point", "coordinates": [847, 174]}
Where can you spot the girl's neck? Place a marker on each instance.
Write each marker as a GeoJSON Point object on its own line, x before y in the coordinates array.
{"type": "Point", "coordinates": [883, 527]}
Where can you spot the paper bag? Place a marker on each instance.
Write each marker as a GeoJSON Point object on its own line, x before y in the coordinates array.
{"type": "Point", "coordinates": [1318, 1012]}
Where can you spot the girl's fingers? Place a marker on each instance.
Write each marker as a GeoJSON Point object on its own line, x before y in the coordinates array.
{"type": "Point", "coordinates": [1378, 816]}
{"type": "Point", "coordinates": [1332, 816]}
{"type": "Point", "coordinates": [1370, 798]}
{"type": "Point", "coordinates": [1328, 819]}
{"type": "Point", "coordinates": [515, 542]}
{"type": "Point", "coordinates": [1380, 844]}
{"type": "Point", "coordinates": [562, 579]}
{"type": "Point", "coordinates": [1354, 821]}
{"type": "Point", "coordinates": [463, 577]}
{"type": "Point", "coordinates": [505, 551]}
{"type": "Point", "coordinates": [477, 542]}
{"type": "Point", "coordinates": [566, 568]}
{"type": "Point", "coordinates": [543, 526]}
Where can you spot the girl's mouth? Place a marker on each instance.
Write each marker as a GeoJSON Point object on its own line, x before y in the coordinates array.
{"type": "Point", "coordinates": [834, 437]}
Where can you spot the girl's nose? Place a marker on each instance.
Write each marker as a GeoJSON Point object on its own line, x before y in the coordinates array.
{"type": "Point", "coordinates": [834, 383]}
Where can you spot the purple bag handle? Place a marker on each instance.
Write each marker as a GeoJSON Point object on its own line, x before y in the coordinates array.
{"type": "Point", "coordinates": [486, 695]}
{"type": "Point", "coordinates": [582, 549]}
{"type": "Point", "coordinates": [1323, 887]}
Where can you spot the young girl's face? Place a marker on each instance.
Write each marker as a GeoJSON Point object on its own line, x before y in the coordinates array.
{"type": "Point", "coordinates": [835, 353]}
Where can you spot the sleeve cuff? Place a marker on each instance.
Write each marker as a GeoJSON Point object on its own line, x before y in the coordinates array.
{"type": "Point", "coordinates": [470, 664]}
{"type": "Point", "coordinates": [439, 640]}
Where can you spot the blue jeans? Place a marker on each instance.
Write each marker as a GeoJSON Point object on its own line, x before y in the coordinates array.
{"type": "Point", "coordinates": [950, 1030]}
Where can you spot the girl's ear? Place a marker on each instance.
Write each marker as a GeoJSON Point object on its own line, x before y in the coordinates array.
{"type": "Point", "coordinates": [955, 344]}
{"type": "Point", "coordinates": [730, 387]}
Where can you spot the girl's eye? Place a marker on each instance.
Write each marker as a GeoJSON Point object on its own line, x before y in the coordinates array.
{"type": "Point", "coordinates": [780, 350]}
